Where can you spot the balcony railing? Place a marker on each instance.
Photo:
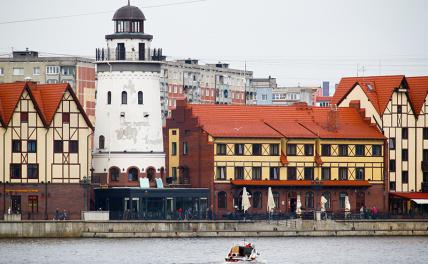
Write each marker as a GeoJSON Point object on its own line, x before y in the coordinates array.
{"type": "Point", "coordinates": [117, 54]}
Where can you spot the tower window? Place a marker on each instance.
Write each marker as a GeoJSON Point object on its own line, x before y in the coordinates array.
{"type": "Point", "coordinates": [108, 97]}
{"type": "Point", "coordinates": [140, 97]}
{"type": "Point", "coordinates": [101, 142]}
{"type": "Point", "coordinates": [124, 98]}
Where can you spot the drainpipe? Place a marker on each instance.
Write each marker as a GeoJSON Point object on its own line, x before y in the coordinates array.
{"type": "Point", "coordinates": [46, 174]}
{"type": "Point", "coordinates": [4, 172]}
{"type": "Point", "coordinates": [88, 170]}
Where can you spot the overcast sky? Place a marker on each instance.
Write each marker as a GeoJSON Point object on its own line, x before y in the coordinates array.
{"type": "Point", "coordinates": [304, 41]}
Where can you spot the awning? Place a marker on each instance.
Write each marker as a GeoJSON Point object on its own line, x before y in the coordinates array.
{"type": "Point", "coordinates": [409, 195]}
{"type": "Point", "coordinates": [305, 183]}
{"type": "Point", "coordinates": [420, 201]}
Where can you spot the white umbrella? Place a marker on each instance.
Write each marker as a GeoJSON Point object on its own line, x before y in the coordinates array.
{"type": "Point", "coordinates": [299, 205]}
{"type": "Point", "coordinates": [245, 200]}
{"type": "Point", "coordinates": [323, 202]}
{"type": "Point", "coordinates": [347, 204]}
{"type": "Point", "coordinates": [271, 202]}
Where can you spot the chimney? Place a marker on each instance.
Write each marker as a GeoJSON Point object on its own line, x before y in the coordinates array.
{"type": "Point", "coordinates": [332, 118]}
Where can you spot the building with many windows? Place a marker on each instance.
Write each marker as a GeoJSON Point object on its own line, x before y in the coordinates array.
{"type": "Point", "coordinates": [45, 150]}
{"type": "Point", "coordinates": [397, 105]}
{"type": "Point", "coordinates": [291, 95]}
{"type": "Point", "coordinates": [300, 151]}
{"type": "Point", "coordinates": [30, 66]}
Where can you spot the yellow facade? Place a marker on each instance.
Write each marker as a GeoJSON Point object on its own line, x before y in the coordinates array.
{"type": "Point", "coordinates": [174, 157]}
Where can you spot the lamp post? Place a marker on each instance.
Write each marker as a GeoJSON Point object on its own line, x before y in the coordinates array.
{"type": "Point", "coordinates": [85, 184]}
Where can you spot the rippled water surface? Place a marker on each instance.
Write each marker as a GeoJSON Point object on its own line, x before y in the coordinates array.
{"type": "Point", "coordinates": [213, 250]}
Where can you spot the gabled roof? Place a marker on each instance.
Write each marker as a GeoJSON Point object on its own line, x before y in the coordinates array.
{"type": "Point", "coordinates": [378, 89]}
{"type": "Point", "coordinates": [296, 121]}
{"type": "Point", "coordinates": [46, 99]}
{"type": "Point", "coordinates": [418, 89]}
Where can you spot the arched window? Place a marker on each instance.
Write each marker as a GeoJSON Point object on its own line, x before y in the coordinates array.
{"type": "Point", "coordinates": [222, 200]}
{"type": "Point", "coordinates": [114, 174]}
{"type": "Point", "coordinates": [108, 97]}
{"type": "Point", "coordinates": [140, 97]}
{"type": "Point", "coordinates": [309, 200]}
{"type": "Point", "coordinates": [342, 196]}
{"type": "Point", "coordinates": [133, 174]}
{"type": "Point", "coordinates": [124, 97]}
{"type": "Point", "coordinates": [257, 200]}
{"type": "Point", "coordinates": [327, 196]}
{"type": "Point", "coordinates": [276, 199]}
{"type": "Point", "coordinates": [101, 142]}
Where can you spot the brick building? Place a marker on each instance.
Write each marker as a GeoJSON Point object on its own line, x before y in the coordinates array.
{"type": "Point", "coordinates": [300, 151]}
{"type": "Point", "coordinates": [46, 150]}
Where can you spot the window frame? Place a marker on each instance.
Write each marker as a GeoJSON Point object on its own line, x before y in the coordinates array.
{"type": "Point", "coordinates": [379, 147]}
{"type": "Point", "coordinates": [23, 117]}
{"type": "Point", "coordinates": [256, 151]}
{"type": "Point", "coordinates": [58, 146]}
{"type": "Point", "coordinates": [124, 98]}
{"type": "Point", "coordinates": [16, 146]}
{"type": "Point", "coordinates": [32, 142]}
{"type": "Point", "coordinates": [405, 133]}
{"type": "Point", "coordinates": [291, 171]}
{"type": "Point", "coordinates": [273, 149]}
{"type": "Point", "coordinates": [309, 170]}
{"type": "Point", "coordinates": [12, 168]}
{"type": "Point", "coordinates": [343, 150]}
{"type": "Point", "coordinates": [309, 149]}
{"type": "Point", "coordinates": [238, 147]}
{"type": "Point", "coordinates": [358, 148]}
{"type": "Point", "coordinates": [256, 173]}
{"type": "Point", "coordinates": [140, 98]}
{"type": "Point", "coordinates": [174, 148]}
{"type": "Point", "coordinates": [185, 148]}
{"type": "Point", "coordinates": [291, 149]}
{"type": "Point", "coordinates": [73, 146]}
{"type": "Point", "coordinates": [65, 118]}
{"type": "Point", "coordinates": [221, 173]}
{"type": "Point", "coordinates": [323, 176]}
{"type": "Point", "coordinates": [274, 176]}
{"type": "Point", "coordinates": [343, 171]}
{"type": "Point", "coordinates": [112, 176]}
{"type": "Point", "coordinates": [405, 177]}
{"type": "Point", "coordinates": [222, 200]}
{"type": "Point", "coordinates": [35, 168]}
{"type": "Point", "coordinates": [239, 171]}
{"type": "Point", "coordinates": [404, 154]}
{"type": "Point", "coordinates": [221, 149]}
{"type": "Point", "coordinates": [326, 150]}
{"type": "Point", "coordinates": [360, 171]}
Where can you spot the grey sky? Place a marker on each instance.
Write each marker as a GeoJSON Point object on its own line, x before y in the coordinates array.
{"type": "Point", "coordinates": [303, 41]}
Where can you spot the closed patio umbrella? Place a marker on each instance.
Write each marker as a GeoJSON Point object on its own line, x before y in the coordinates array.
{"type": "Point", "coordinates": [298, 206]}
{"type": "Point", "coordinates": [245, 200]}
{"type": "Point", "coordinates": [271, 202]}
{"type": "Point", "coordinates": [323, 202]}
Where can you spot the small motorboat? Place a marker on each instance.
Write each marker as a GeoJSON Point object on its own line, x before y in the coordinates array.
{"type": "Point", "coordinates": [241, 253]}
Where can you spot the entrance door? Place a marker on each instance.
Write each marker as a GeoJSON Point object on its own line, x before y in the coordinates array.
{"type": "Point", "coordinates": [120, 52]}
{"type": "Point", "coordinates": [360, 200]}
{"type": "Point", "coordinates": [292, 202]}
{"type": "Point", "coordinates": [141, 51]}
{"type": "Point", "coordinates": [16, 204]}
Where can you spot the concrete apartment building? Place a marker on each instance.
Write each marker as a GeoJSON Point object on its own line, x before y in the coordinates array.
{"type": "Point", "coordinates": [291, 95]}
{"type": "Point", "coordinates": [203, 84]}
{"type": "Point", "coordinates": [45, 146]}
{"type": "Point", "coordinates": [398, 106]}
{"type": "Point", "coordinates": [77, 71]}
{"type": "Point", "coordinates": [261, 89]}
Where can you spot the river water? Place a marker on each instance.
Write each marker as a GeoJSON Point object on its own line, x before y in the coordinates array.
{"type": "Point", "coordinates": [213, 250]}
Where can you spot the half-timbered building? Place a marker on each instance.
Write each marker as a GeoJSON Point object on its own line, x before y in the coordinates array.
{"type": "Point", "coordinates": [46, 151]}
{"type": "Point", "coordinates": [299, 151]}
{"type": "Point", "coordinates": [398, 106]}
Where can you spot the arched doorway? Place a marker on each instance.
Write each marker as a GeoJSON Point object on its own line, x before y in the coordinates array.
{"type": "Point", "coordinates": [360, 201]}
{"type": "Point", "coordinates": [291, 202]}
{"type": "Point", "coordinates": [151, 175]}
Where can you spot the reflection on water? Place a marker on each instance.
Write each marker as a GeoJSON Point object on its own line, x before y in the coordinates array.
{"type": "Point", "coordinates": [213, 250]}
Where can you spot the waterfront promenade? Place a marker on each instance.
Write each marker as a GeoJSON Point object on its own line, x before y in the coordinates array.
{"type": "Point", "coordinates": [181, 229]}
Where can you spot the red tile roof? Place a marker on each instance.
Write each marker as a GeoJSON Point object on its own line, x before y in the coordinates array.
{"type": "Point", "coordinates": [46, 99]}
{"type": "Point", "coordinates": [300, 183]}
{"type": "Point", "coordinates": [378, 89]}
{"type": "Point", "coordinates": [410, 195]}
{"type": "Point", "coordinates": [382, 88]}
{"type": "Point", "coordinates": [296, 121]}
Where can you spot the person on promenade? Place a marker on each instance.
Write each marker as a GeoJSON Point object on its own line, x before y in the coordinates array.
{"type": "Point", "coordinates": [180, 212]}
{"type": "Point", "coordinates": [56, 216]}
{"type": "Point", "coordinates": [362, 212]}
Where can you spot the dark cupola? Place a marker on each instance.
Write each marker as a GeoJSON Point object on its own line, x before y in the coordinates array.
{"type": "Point", "coordinates": [129, 19]}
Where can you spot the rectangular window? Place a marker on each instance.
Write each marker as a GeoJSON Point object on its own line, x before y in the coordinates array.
{"type": "Point", "coordinates": [309, 150]}
{"type": "Point", "coordinates": [274, 149]}
{"type": "Point", "coordinates": [32, 146]}
{"type": "Point", "coordinates": [425, 132]}
{"type": "Point", "coordinates": [185, 148]}
{"type": "Point", "coordinates": [309, 173]}
{"type": "Point", "coordinates": [376, 150]}
{"type": "Point", "coordinates": [405, 177]}
{"type": "Point", "coordinates": [239, 173]}
{"type": "Point", "coordinates": [221, 149]}
{"type": "Point", "coordinates": [257, 173]}
{"type": "Point", "coordinates": [425, 155]}
{"type": "Point", "coordinates": [405, 154]}
{"type": "Point", "coordinates": [274, 173]}
{"type": "Point", "coordinates": [391, 143]}
{"type": "Point", "coordinates": [24, 117]}
{"type": "Point", "coordinates": [343, 174]}
{"type": "Point", "coordinates": [291, 173]}
{"type": "Point", "coordinates": [405, 133]}
{"type": "Point", "coordinates": [221, 173]}
{"type": "Point", "coordinates": [239, 149]}
{"type": "Point", "coordinates": [343, 150]}
{"type": "Point", "coordinates": [65, 118]}
{"type": "Point", "coordinates": [174, 173]}
{"type": "Point", "coordinates": [399, 109]}
{"type": "Point", "coordinates": [360, 150]}
{"type": "Point", "coordinates": [16, 146]}
{"type": "Point", "coordinates": [325, 174]}
{"type": "Point", "coordinates": [58, 146]}
{"type": "Point", "coordinates": [33, 203]}
{"type": "Point", "coordinates": [15, 171]}
{"type": "Point", "coordinates": [36, 71]}
{"type": "Point", "coordinates": [392, 165]}
{"type": "Point", "coordinates": [32, 171]}
{"type": "Point", "coordinates": [326, 150]}
{"type": "Point", "coordinates": [359, 173]}
{"type": "Point", "coordinates": [1, 71]}
{"type": "Point", "coordinates": [18, 71]}
{"type": "Point", "coordinates": [174, 149]}
{"type": "Point", "coordinates": [291, 149]}
{"type": "Point", "coordinates": [73, 146]}
{"type": "Point", "coordinates": [52, 69]}
{"type": "Point", "coordinates": [257, 149]}
{"type": "Point", "coordinates": [392, 185]}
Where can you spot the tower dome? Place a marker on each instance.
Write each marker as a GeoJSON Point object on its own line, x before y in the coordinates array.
{"type": "Point", "coordinates": [129, 13]}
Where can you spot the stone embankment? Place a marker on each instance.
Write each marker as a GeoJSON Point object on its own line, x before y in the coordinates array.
{"type": "Point", "coordinates": [168, 229]}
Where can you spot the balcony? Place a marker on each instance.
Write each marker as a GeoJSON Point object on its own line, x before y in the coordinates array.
{"type": "Point", "coordinates": [424, 166]}
{"type": "Point", "coordinates": [115, 54]}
